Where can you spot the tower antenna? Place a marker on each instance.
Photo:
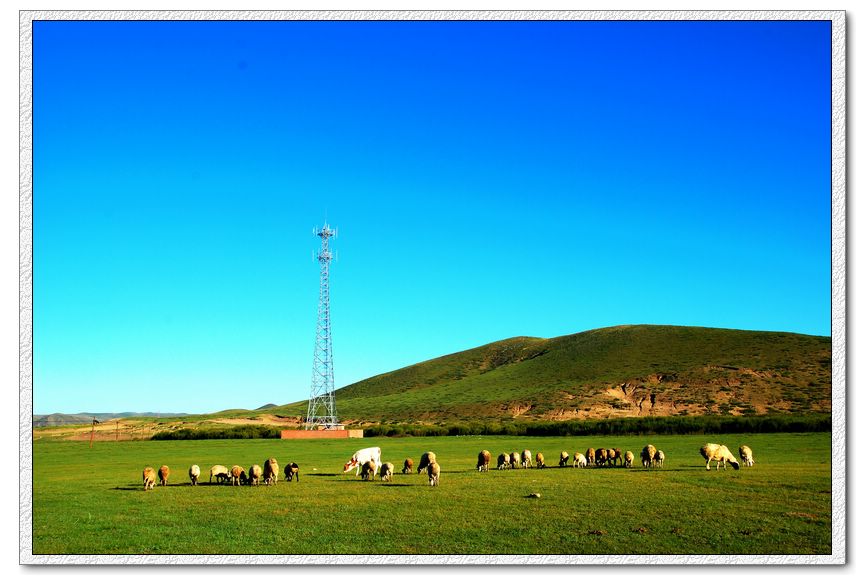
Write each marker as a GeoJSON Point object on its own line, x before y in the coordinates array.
{"type": "Point", "coordinates": [321, 412]}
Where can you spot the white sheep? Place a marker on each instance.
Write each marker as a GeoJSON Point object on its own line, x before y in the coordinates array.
{"type": "Point", "coordinates": [220, 472]}
{"type": "Point", "coordinates": [149, 476]}
{"type": "Point", "coordinates": [658, 460]}
{"type": "Point", "coordinates": [629, 459]}
{"type": "Point", "coordinates": [720, 453]}
{"type": "Point", "coordinates": [647, 455]}
{"type": "Point", "coordinates": [386, 472]}
{"type": "Point", "coordinates": [515, 460]}
{"type": "Point", "coordinates": [194, 474]}
{"type": "Point", "coordinates": [425, 460]}
{"type": "Point", "coordinates": [434, 472]}
{"type": "Point", "coordinates": [563, 458]}
{"type": "Point", "coordinates": [255, 473]}
{"type": "Point", "coordinates": [527, 459]}
{"type": "Point", "coordinates": [580, 460]}
{"type": "Point", "coordinates": [746, 455]}
{"type": "Point", "coordinates": [504, 461]}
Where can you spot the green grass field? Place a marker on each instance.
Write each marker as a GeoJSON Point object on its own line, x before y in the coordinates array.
{"type": "Point", "coordinates": [91, 501]}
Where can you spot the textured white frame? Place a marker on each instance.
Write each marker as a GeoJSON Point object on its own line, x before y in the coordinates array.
{"type": "Point", "coordinates": [839, 274]}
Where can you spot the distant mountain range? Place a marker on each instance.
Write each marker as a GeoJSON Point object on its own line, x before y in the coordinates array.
{"type": "Point", "coordinates": [80, 418]}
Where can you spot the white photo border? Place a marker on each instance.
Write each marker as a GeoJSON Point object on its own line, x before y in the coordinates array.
{"type": "Point", "coordinates": [839, 275]}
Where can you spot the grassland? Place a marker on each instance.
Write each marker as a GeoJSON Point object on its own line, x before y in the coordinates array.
{"type": "Point", "coordinates": [90, 501]}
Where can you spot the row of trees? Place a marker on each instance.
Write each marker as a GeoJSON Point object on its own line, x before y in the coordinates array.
{"type": "Point", "coordinates": [679, 425]}
{"type": "Point", "coordinates": [670, 425]}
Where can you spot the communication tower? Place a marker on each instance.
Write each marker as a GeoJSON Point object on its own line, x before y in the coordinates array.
{"type": "Point", "coordinates": [322, 408]}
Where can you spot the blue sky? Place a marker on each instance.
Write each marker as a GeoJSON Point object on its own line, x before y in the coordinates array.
{"type": "Point", "coordinates": [489, 179]}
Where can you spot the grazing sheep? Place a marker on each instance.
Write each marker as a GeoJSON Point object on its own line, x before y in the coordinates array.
{"type": "Point", "coordinates": [164, 472]}
{"type": "Point", "coordinates": [425, 460]}
{"type": "Point", "coordinates": [504, 461]}
{"type": "Point", "coordinates": [386, 472]}
{"type": "Point", "coordinates": [600, 457]}
{"type": "Point", "coordinates": [292, 471]}
{"type": "Point", "coordinates": [629, 459]}
{"type": "Point", "coordinates": [515, 460]}
{"type": "Point", "coordinates": [434, 472]}
{"type": "Point", "coordinates": [149, 476]}
{"type": "Point", "coordinates": [647, 455]}
{"type": "Point", "coordinates": [617, 456]}
{"type": "Point", "coordinates": [539, 460]}
{"type": "Point", "coordinates": [580, 460]}
{"type": "Point", "coordinates": [194, 474]}
{"type": "Point", "coordinates": [367, 472]}
{"type": "Point", "coordinates": [746, 455]}
{"type": "Point", "coordinates": [720, 453]}
{"type": "Point", "coordinates": [238, 475]}
{"type": "Point", "coordinates": [255, 474]}
{"type": "Point", "coordinates": [527, 459]}
{"type": "Point", "coordinates": [484, 460]}
{"type": "Point", "coordinates": [590, 456]}
{"type": "Point", "coordinates": [271, 472]}
{"type": "Point", "coordinates": [563, 458]}
{"type": "Point", "coordinates": [220, 472]}
{"type": "Point", "coordinates": [658, 460]}
{"type": "Point", "coordinates": [407, 466]}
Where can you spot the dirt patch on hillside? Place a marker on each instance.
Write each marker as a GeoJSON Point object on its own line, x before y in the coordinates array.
{"type": "Point", "coordinates": [261, 419]}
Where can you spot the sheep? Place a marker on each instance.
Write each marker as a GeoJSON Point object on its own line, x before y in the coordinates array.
{"type": "Point", "coordinates": [238, 475]}
{"type": "Point", "coordinates": [527, 459]}
{"type": "Point", "coordinates": [658, 460]}
{"type": "Point", "coordinates": [292, 471]}
{"type": "Point", "coordinates": [746, 455]}
{"type": "Point", "coordinates": [484, 460]}
{"type": "Point", "coordinates": [367, 472]}
{"type": "Point", "coordinates": [164, 472]}
{"type": "Point", "coordinates": [629, 459]}
{"type": "Point", "coordinates": [194, 474]}
{"type": "Point", "coordinates": [434, 472]}
{"type": "Point", "coordinates": [600, 457]}
{"type": "Point", "coordinates": [149, 476]}
{"type": "Point", "coordinates": [271, 471]}
{"type": "Point", "coordinates": [590, 456]}
{"type": "Point", "coordinates": [647, 455]}
{"type": "Point", "coordinates": [504, 461]}
{"type": "Point", "coordinates": [407, 466]}
{"type": "Point", "coordinates": [425, 460]}
{"type": "Point", "coordinates": [563, 458]}
{"type": "Point", "coordinates": [220, 472]}
{"type": "Point", "coordinates": [539, 460]}
{"type": "Point", "coordinates": [616, 456]}
{"type": "Point", "coordinates": [580, 460]}
{"type": "Point", "coordinates": [386, 472]}
{"type": "Point", "coordinates": [515, 460]}
{"type": "Point", "coordinates": [255, 474]}
{"type": "Point", "coordinates": [720, 453]}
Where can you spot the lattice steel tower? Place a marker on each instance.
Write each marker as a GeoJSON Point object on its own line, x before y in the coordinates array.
{"type": "Point", "coordinates": [322, 408]}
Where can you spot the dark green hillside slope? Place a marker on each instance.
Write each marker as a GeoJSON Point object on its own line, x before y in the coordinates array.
{"type": "Point", "coordinates": [639, 370]}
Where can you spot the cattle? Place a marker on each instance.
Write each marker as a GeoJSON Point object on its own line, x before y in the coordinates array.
{"type": "Point", "coordinates": [360, 457]}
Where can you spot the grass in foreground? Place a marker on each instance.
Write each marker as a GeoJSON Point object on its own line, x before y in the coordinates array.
{"type": "Point", "coordinates": [90, 501]}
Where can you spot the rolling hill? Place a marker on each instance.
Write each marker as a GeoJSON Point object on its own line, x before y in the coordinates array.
{"type": "Point", "coordinates": [615, 372]}
{"type": "Point", "coordinates": [624, 371]}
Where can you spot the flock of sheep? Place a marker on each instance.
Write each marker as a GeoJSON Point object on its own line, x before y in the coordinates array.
{"type": "Point", "coordinates": [237, 475]}
{"type": "Point", "coordinates": [368, 463]}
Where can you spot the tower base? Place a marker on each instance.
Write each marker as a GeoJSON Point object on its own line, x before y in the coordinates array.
{"type": "Point", "coordinates": [323, 434]}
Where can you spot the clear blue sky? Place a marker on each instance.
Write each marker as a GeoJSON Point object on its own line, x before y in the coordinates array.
{"type": "Point", "coordinates": [489, 180]}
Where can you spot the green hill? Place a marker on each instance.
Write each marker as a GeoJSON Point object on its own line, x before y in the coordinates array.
{"type": "Point", "coordinates": [625, 371]}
